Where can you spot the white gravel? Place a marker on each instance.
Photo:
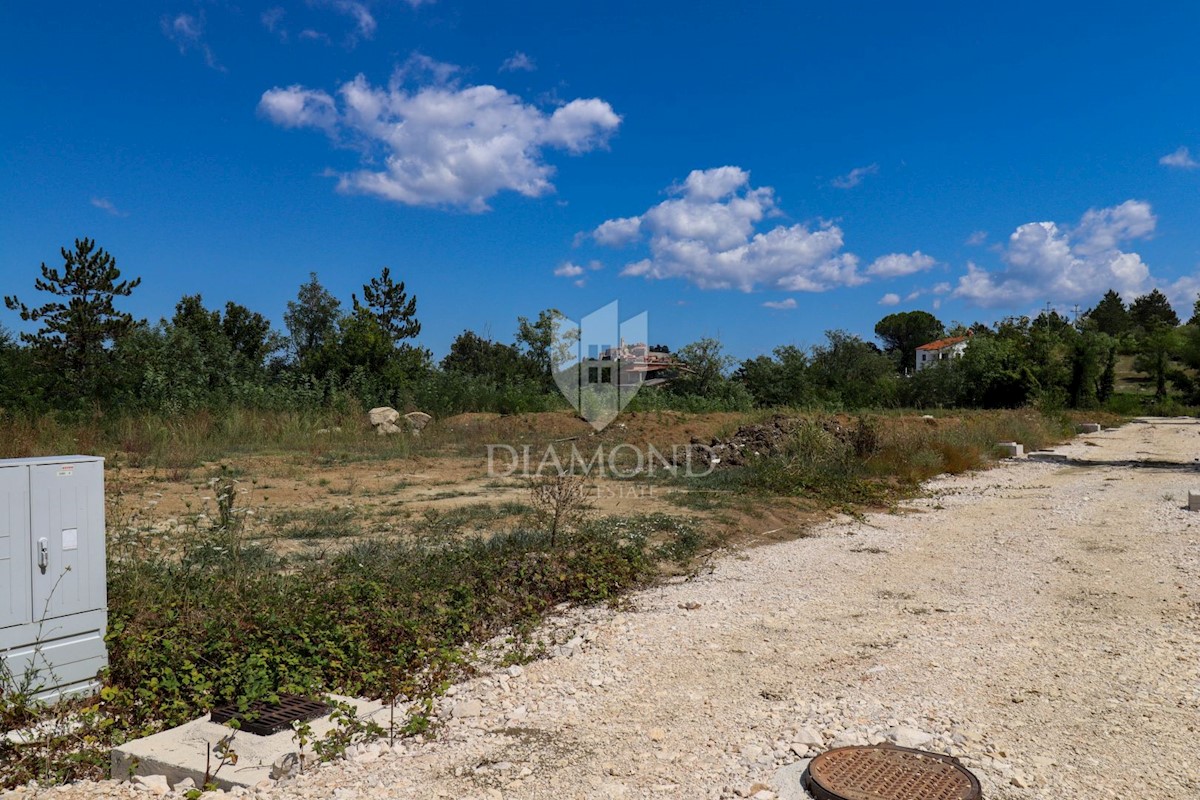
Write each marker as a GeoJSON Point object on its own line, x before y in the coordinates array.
{"type": "Point", "coordinates": [1039, 620]}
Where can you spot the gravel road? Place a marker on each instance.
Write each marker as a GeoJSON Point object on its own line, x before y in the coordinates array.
{"type": "Point", "coordinates": [1040, 620]}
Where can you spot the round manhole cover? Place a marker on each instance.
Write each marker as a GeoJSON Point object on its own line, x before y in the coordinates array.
{"type": "Point", "coordinates": [889, 773]}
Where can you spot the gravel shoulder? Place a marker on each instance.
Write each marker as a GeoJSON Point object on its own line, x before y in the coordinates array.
{"type": "Point", "coordinates": [1040, 620]}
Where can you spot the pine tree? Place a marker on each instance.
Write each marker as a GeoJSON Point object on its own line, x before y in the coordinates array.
{"type": "Point", "coordinates": [1110, 315]}
{"type": "Point", "coordinates": [77, 332]}
{"type": "Point", "coordinates": [902, 333]}
{"type": "Point", "coordinates": [392, 308]}
{"type": "Point", "coordinates": [1152, 312]}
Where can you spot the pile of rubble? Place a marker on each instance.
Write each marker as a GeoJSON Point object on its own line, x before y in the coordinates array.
{"type": "Point", "coordinates": [759, 439]}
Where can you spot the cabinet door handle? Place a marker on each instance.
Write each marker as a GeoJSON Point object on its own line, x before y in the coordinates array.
{"type": "Point", "coordinates": [44, 554]}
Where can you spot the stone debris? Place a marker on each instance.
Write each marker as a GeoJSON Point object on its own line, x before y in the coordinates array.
{"type": "Point", "coordinates": [763, 439]}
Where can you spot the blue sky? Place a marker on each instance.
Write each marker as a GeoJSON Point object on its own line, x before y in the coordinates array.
{"type": "Point", "coordinates": [759, 172]}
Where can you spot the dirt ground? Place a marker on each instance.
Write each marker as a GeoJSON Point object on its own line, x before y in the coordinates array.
{"type": "Point", "coordinates": [383, 496]}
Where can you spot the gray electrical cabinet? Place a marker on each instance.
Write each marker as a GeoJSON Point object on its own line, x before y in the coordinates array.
{"type": "Point", "coordinates": [53, 596]}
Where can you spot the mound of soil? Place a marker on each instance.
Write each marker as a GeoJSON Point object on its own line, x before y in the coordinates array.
{"type": "Point", "coordinates": [759, 439]}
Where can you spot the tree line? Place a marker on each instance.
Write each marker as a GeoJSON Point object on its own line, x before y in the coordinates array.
{"type": "Point", "coordinates": [85, 353]}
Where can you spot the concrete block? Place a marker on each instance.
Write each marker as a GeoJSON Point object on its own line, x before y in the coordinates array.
{"type": "Point", "coordinates": [1193, 501]}
{"type": "Point", "coordinates": [1012, 449]}
{"type": "Point", "coordinates": [1088, 427]}
{"type": "Point", "coordinates": [181, 753]}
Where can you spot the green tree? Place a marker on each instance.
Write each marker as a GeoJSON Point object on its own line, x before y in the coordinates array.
{"type": "Point", "coordinates": [903, 332]}
{"type": "Point", "coordinates": [1108, 377]}
{"type": "Point", "coordinates": [995, 369]}
{"type": "Point", "coordinates": [778, 381]}
{"type": "Point", "coordinates": [1153, 311]}
{"type": "Point", "coordinates": [471, 354]}
{"type": "Point", "coordinates": [537, 340]}
{"type": "Point", "coordinates": [704, 368]}
{"type": "Point", "coordinates": [976, 328]}
{"type": "Point", "coordinates": [1156, 349]}
{"type": "Point", "coordinates": [250, 335]}
{"type": "Point", "coordinates": [851, 372]}
{"type": "Point", "coordinates": [18, 377]}
{"type": "Point", "coordinates": [1109, 316]}
{"type": "Point", "coordinates": [78, 331]}
{"type": "Point", "coordinates": [311, 319]}
{"type": "Point", "coordinates": [391, 306]}
{"type": "Point", "coordinates": [358, 343]}
{"type": "Point", "coordinates": [1086, 372]}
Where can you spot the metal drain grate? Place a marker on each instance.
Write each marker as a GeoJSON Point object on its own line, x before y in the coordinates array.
{"type": "Point", "coordinates": [263, 718]}
{"type": "Point", "coordinates": [889, 773]}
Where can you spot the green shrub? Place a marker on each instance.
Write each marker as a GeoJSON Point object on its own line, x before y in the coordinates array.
{"type": "Point", "coordinates": [210, 619]}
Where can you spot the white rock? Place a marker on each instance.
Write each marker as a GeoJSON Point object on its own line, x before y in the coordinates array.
{"type": "Point", "coordinates": [417, 420]}
{"type": "Point", "coordinates": [467, 709]}
{"type": "Point", "coordinates": [155, 783]}
{"type": "Point", "coordinates": [904, 736]}
{"type": "Point", "coordinates": [285, 766]}
{"type": "Point", "coordinates": [809, 737]}
{"type": "Point", "coordinates": [383, 416]}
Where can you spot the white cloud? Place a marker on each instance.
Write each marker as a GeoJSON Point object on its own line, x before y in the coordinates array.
{"type": "Point", "coordinates": [1183, 293]}
{"type": "Point", "coordinates": [706, 234]}
{"type": "Point", "coordinates": [616, 232]}
{"type": "Point", "coordinates": [104, 204]}
{"type": "Point", "coordinates": [364, 21]}
{"type": "Point", "coordinates": [938, 288]}
{"type": "Point", "coordinates": [890, 299]}
{"type": "Point", "coordinates": [897, 265]}
{"type": "Point", "coordinates": [187, 32]}
{"type": "Point", "coordinates": [854, 177]}
{"type": "Point", "coordinates": [1102, 230]}
{"type": "Point", "coordinates": [272, 20]}
{"type": "Point", "coordinates": [579, 126]}
{"type": "Point", "coordinates": [568, 270]}
{"type": "Point", "coordinates": [977, 238]}
{"type": "Point", "coordinates": [310, 35]}
{"type": "Point", "coordinates": [781, 305]}
{"type": "Point", "coordinates": [442, 144]}
{"type": "Point", "coordinates": [518, 62]}
{"type": "Point", "coordinates": [1180, 159]}
{"type": "Point", "coordinates": [1045, 260]}
{"type": "Point", "coordinates": [297, 107]}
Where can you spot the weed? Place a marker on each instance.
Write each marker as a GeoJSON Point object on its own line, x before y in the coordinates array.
{"type": "Point", "coordinates": [558, 502]}
{"type": "Point", "coordinates": [348, 731]}
{"type": "Point", "coordinates": [317, 523]}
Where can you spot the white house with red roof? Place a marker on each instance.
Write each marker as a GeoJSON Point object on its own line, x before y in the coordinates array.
{"type": "Point", "coordinates": [942, 349]}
